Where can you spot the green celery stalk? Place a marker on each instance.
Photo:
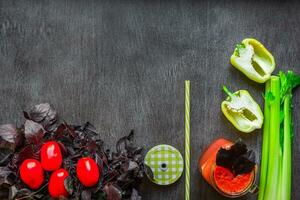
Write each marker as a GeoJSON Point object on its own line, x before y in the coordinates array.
{"type": "Point", "coordinates": [280, 175]}
{"type": "Point", "coordinates": [265, 144]}
{"type": "Point", "coordinates": [285, 187]}
{"type": "Point", "coordinates": [276, 163]}
{"type": "Point", "coordinates": [288, 82]}
{"type": "Point", "coordinates": [274, 142]}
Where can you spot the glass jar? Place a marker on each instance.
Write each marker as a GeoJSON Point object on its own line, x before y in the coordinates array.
{"type": "Point", "coordinates": [207, 165]}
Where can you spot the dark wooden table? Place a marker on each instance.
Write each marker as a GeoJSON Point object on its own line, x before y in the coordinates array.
{"type": "Point", "coordinates": [122, 64]}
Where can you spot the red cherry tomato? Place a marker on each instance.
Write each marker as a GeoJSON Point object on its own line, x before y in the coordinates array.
{"type": "Point", "coordinates": [87, 171]}
{"type": "Point", "coordinates": [56, 185]}
{"type": "Point", "coordinates": [32, 173]}
{"type": "Point", "coordinates": [51, 157]}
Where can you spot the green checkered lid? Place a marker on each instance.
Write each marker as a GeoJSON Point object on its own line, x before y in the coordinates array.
{"type": "Point", "coordinates": [165, 164]}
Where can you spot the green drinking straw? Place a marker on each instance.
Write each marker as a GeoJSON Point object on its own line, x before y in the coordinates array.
{"type": "Point", "coordinates": [187, 139]}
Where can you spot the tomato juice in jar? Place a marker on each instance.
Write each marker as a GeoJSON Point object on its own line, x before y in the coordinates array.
{"type": "Point", "coordinates": [221, 178]}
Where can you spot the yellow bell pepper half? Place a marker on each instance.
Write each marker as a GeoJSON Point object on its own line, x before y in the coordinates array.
{"type": "Point", "coordinates": [254, 60]}
{"type": "Point", "coordinates": [242, 111]}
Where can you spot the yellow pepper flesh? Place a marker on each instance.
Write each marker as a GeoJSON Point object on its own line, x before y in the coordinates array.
{"type": "Point", "coordinates": [254, 60]}
{"type": "Point", "coordinates": [242, 111]}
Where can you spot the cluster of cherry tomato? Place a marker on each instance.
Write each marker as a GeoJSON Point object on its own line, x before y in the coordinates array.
{"type": "Point", "coordinates": [32, 171]}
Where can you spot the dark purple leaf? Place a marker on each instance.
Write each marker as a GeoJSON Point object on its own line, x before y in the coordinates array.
{"type": "Point", "coordinates": [112, 192]}
{"type": "Point", "coordinates": [135, 195]}
{"type": "Point", "coordinates": [26, 115]}
{"type": "Point", "coordinates": [125, 143]}
{"type": "Point", "coordinates": [63, 148]}
{"type": "Point", "coordinates": [101, 196]}
{"type": "Point", "coordinates": [239, 148]}
{"type": "Point", "coordinates": [62, 198]}
{"type": "Point", "coordinates": [70, 130]}
{"type": "Point", "coordinates": [5, 156]}
{"type": "Point", "coordinates": [86, 195]}
{"type": "Point", "coordinates": [28, 152]}
{"type": "Point", "coordinates": [243, 165]}
{"type": "Point", "coordinates": [89, 129]}
{"type": "Point", "coordinates": [14, 192]}
{"type": "Point", "coordinates": [148, 171]}
{"type": "Point", "coordinates": [33, 131]}
{"type": "Point", "coordinates": [24, 193]}
{"type": "Point", "coordinates": [4, 193]}
{"type": "Point", "coordinates": [99, 160]}
{"type": "Point", "coordinates": [91, 146]}
{"type": "Point", "coordinates": [132, 166]}
{"type": "Point", "coordinates": [39, 112]}
{"type": "Point", "coordinates": [237, 159]}
{"type": "Point", "coordinates": [60, 131]}
{"type": "Point", "coordinates": [7, 176]}
{"type": "Point", "coordinates": [8, 136]}
{"type": "Point", "coordinates": [44, 114]}
{"type": "Point", "coordinates": [69, 184]}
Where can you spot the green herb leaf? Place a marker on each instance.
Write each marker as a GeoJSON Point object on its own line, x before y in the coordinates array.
{"type": "Point", "coordinates": [288, 81]}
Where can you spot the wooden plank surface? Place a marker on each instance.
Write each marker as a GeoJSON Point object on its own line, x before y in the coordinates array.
{"type": "Point", "coordinates": [122, 64]}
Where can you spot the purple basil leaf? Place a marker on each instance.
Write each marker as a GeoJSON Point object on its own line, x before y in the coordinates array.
{"type": "Point", "coordinates": [112, 192]}
{"type": "Point", "coordinates": [135, 195]}
{"type": "Point", "coordinates": [86, 195]}
{"type": "Point", "coordinates": [23, 192]}
{"type": "Point", "coordinates": [12, 192]}
{"type": "Point", "coordinates": [28, 152]}
{"type": "Point", "coordinates": [33, 131]}
{"type": "Point", "coordinates": [101, 196]}
{"type": "Point", "coordinates": [91, 146]}
{"type": "Point", "coordinates": [4, 193]}
{"type": "Point", "coordinates": [132, 166]}
{"type": "Point", "coordinates": [224, 158]}
{"type": "Point", "coordinates": [7, 176]}
{"type": "Point", "coordinates": [125, 143]}
{"type": "Point", "coordinates": [148, 171]}
{"type": "Point", "coordinates": [239, 148]}
{"type": "Point", "coordinates": [243, 165]}
{"type": "Point", "coordinates": [45, 115]}
{"type": "Point", "coordinates": [26, 115]}
{"type": "Point", "coordinates": [60, 131]}
{"type": "Point", "coordinates": [5, 156]}
{"type": "Point", "coordinates": [39, 112]}
{"type": "Point", "coordinates": [89, 129]}
{"type": "Point", "coordinates": [237, 159]}
{"type": "Point", "coordinates": [98, 160]}
{"type": "Point", "coordinates": [8, 136]}
{"type": "Point", "coordinates": [63, 149]}
{"type": "Point", "coordinates": [62, 198]}
{"type": "Point", "coordinates": [69, 184]}
{"type": "Point", "coordinates": [70, 130]}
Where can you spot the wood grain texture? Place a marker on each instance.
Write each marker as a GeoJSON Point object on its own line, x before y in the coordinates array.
{"type": "Point", "coordinates": [122, 64]}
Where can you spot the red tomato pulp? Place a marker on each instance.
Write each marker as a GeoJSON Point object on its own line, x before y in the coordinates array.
{"type": "Point", "coordinates": [223, 180]}
{"type": "Point", "coordinates": [230, 184]}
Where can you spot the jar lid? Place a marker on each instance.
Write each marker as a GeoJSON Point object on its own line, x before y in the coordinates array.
{"type": "Point", "coordinates": [165, 164]}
